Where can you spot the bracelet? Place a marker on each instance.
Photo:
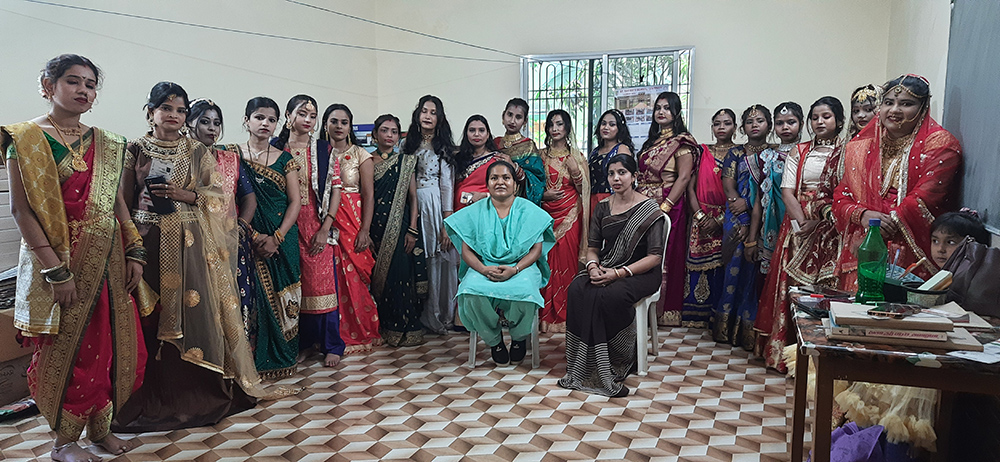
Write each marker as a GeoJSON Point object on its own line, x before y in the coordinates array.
{"type": "Point", "coordinates": [750, 244]}
{"type": "Point", "coordinates": [617, 274]}
{"type": "Point", "coordinates": [34, 247]}
{"type": "Point", "coordinates": [47, 271]}
{"type": "Point", "coordinates": [412, 230]}
{"type": "Point", "coordinates": [278, 236]}
{"type": "Point", "coordinates": [732, 199]}
{"type": "Point", "coordinates": [57, 274]}
{"type": "Point", "coordinates": [137, 254]}
{"type": "Point", "coordinates": [196, 196]}
{"type": "Point", "coordinates": [627, 270]}
{"type": "Point", "coordinates": [700, 215]}
{"type": "Point", "coordinates": [589, 263]}
{"type": "Point", "coordinates": [516, 269]}
{"type": "Point", "coordinates": [61, 280]}
{"type": "Point", "coordinates": [672, 204]}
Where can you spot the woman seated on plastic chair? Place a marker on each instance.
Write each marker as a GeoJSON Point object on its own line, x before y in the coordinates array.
{"type": "Point", "coordinates": [623, 267]}
{"type": "Point", "coordinates": [504, 241]}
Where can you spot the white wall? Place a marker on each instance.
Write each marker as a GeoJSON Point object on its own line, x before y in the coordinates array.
{"type": "Point", "coordinates": [918, 44]}
{"type": "Point", "coordinates": [765, 51]}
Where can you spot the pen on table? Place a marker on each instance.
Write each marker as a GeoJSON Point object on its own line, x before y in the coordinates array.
{"type": "Point", "coordinates": [913, 267]}
{"type": "Point", "coordinates": [895, 260]}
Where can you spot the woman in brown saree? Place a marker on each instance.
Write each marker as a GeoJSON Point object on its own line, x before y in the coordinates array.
{"type": "Point", "coordinates": [202, 368]}
{"type": "Point", "coordinates": [80, 259]}
{"type": "Point", "coordinates": [625, 245]}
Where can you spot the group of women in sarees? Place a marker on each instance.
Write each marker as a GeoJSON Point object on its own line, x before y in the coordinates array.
{"type": "Point", "coordinates": [190, 271]}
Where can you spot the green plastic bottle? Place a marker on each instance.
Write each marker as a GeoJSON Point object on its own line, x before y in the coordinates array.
{"type": "Point", "coordinates": [872, 256]}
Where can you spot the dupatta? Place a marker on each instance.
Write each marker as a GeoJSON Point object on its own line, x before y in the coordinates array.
{"type": "Point", "coordinates": [705, 250]}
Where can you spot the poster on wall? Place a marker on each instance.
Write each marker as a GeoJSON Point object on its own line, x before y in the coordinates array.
{"type": "Point", "coordinates": [636, 104]}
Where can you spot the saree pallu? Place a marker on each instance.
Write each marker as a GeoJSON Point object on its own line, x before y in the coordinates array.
{"type": "Point", "coordinates": [657, 173]}
{"type": "Point", "coordinates": [736, 310]}
{"type": "Point", "coordinates": [399, 280]}
{"type": "Point", "coordinates": [90, 354]}
{"type": "Point", "coordinates": [703, 280]}
{"type": "Point", "coordinates": [924, 186]}
{"type": "Point", "coordinates": [600, 336]}
{"type": "Point", "coordinates": [472, 178]}
{"type": "Point", "coordinates": [571, 215]}
{"type": "Point", "coordinates": [772, 162]}
{"type": "Point", "coordinates": [525, 153]}
{"type": "Point", "coordinates": [279, 291]}
{"type": "Point", "coordinates": [359, 320]}
{"type": "Point", "coordinates": [802, 259]}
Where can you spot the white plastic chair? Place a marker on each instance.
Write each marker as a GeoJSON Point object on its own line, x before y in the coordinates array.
{"type": "Point", "coordinates": [645, 315]}
{"type": "Point", "coordinates": [535, 358]}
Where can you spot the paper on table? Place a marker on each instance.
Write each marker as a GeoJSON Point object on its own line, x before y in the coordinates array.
{"type": "Point", "coordinates": [959, 316]}
{"type": "Point", "coordinates": [989, 355]}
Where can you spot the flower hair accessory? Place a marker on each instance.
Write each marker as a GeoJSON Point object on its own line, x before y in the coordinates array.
{"type": "Point", "coordinates": [969, 211]}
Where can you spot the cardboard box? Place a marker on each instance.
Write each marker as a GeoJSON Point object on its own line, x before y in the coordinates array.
{"type": "Point", "coordinates": [9, 348]}
{"type": "Point", "coordinates": [14, 380]}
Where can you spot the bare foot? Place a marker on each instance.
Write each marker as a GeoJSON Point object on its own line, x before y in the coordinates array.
{"type": "Point", "coordinates": [72, 452]}
{"type": "Point", "coordinates": [331, 360]}
{"type": "Point", "coordinates": [116, 445]}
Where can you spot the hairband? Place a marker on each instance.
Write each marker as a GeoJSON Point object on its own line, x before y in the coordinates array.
{"type": "Point", "coordinates": [867, 92]}
{"type": "Point", "coordinates": [969, 211]}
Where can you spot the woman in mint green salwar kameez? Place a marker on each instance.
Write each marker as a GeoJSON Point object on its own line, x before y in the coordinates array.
{"type": "Point", "coordinates": [504, 241]}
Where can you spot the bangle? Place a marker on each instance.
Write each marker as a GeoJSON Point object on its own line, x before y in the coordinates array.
{"type": "Point", "coordinates": [61, 280]}
{"type": "Point", "coordinates": [669, 201]}
{"type": "Point", "coordinates": [516, 269]}
{"type": "Point", "coordinates": [617, 274]}
{"type": "Point", "coordinates": [278, 236]}
{"type": "Point", "coordinates": [750, 244]}
{"type": "Point", "coordinates": [412, 230]}
{"type": "Point", "coordinates": [34, 247]}
{"type": "Point", "coordinates": [137, 254]}
{"type": "Point", "coordinates": [700, 215]}
{"type": "Point", "coordinates": [594, 262]}
{"type": "Point", "coordinates": [627, 270]}
{"type": "Point", "coordinates": [732, 199]}
{"type": "Point", "coordinates": [195, 196]}
{"type": "Point", "coordinates": [57, 274]}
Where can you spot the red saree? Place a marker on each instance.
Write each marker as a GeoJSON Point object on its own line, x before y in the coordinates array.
{"type": "Point", "coordinates": [705, 249]}
{"type": "Point", "coordinates": [473, 179]}
{"type": "Point", "coordinates": [928, 183]}
{"type": "Point", "coordinates": [657, 173]}
{"type": "Point", "coordinates": [803, 259]}
{"type": "Point", "coordinates": [90, 354]}
{"type": "Point", "coordinates": [359, 325]}
{"type": "Point", "coordinates": [571, 215]}
{"type": "Point", "coordinates": [319, 279]}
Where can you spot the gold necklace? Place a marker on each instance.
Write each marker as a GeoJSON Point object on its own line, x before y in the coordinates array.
{"type": "Point", "coordinates": [751, 149]}
{"type": "Point", "coordinates": [509, 140]}
{"type": "Point", "coordinates": [79, 164]}
{"type": "Point", "coordinates": [383, 155]}
{"type": "Point", "coordinates": [826, 142]}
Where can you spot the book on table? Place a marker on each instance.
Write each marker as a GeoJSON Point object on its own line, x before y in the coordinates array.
{"type": "Point", "coordinates": [882, 332]}
{"type": "Point", "coordinates": [958, 339]}
{"type": "Point", "coordinates": [853, 314]}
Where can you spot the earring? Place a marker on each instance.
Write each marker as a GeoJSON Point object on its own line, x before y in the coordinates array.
{"type": "Point", "coordinates": [184, 131]}
{"type": "Point", "coordinates": [151, 124]}
{"type": "Point", "coordinates": [288, 124]}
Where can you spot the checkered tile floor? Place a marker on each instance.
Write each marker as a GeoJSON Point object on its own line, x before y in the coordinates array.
{"type": "Point", "coordinates": [701, 401]}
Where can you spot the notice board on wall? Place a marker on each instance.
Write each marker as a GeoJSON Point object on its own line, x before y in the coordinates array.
{"type": "Point", "coordinates": [972, 102]}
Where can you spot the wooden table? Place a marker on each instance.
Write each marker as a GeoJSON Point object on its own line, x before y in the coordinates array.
{"type": "Point", "coordinates": [871, 362]}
